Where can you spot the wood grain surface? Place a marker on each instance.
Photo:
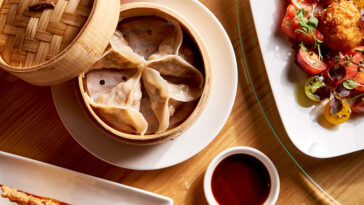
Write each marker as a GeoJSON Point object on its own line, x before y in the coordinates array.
{"type": "Point", "coordinates": [30, 127]}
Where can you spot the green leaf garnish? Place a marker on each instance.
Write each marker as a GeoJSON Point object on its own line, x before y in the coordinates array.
{"type": "Point", "coordinates": [359, 50]}
{"type": "Point", "coordinates": [354, 98]}
{"type": "Point", "coordinates": [302, 45]}
{"type": "Point", "coordinates": [308, 27]}
{"type": "Point", "coordinates": [350, 84]}
{"type": "Point", "coordinates": [312, 22]}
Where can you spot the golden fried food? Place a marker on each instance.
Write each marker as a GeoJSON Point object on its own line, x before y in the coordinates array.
{"type": "Point", "coordinates": [22, 198]}
{"type": "Point", "coordinates": [341, 25]}
{"type": "Point", "coordinates": [359, 3]}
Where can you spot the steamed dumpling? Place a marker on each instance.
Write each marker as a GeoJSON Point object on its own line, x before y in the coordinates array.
{"type": "Point", "coordinates": [141, 81]}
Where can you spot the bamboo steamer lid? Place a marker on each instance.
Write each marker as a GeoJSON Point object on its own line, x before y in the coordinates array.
{"type": "Point", "coordinates": [50, 45]}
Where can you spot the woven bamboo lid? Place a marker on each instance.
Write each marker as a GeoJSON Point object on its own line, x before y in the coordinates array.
{"type": "Point", "coordinates": [46, 42]}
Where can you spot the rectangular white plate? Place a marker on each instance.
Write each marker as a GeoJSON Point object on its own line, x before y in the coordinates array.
{"type": "Point", "coordinates": [302, 120]}
{"type": "Point", "coordinates": [68, 186]}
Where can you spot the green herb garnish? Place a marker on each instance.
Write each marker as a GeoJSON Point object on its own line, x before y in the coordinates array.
{"type": "Point", "coordinates": [348, 60]}
{"type": "Point", "coordinates": [359, 50]}
{"type": "Point", "coordinates": [302, 45]}
{"type": "Point", "coordinates": [350, 84]}
{"type": "Point", "coordinates": [355, 97]}
{"type": "Point", "coordinates": [308, 27]}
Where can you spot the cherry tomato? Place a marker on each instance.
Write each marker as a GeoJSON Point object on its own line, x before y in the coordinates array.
{"type": "Point", "coordinates": [356, 54]}
{"type": "Point", "coordinates": [359, 78]}
{"type": "Point", "coordinates": [357, 50]}
{"type": "Point", "coordinates": [310, 62]}
{"type": "Point", "coordinates": [312, 85]}
{"type": "Point", "coordinates": [293, 30]}
{"type": "Point", "coordinates": [350, 72]}
{"type": "Point", "coordinates": [307, 5]}
{"type": "Point", "coordinates": [358, 58]}
{"type": "Point", "coordinates": [307, 38]}
{"type": "Point", "coordinates": [339, 117]}
{"type": "Point", "coordinates": [358, 107]}
{"type": "Point", "coordinates": [351, 69]}
{"type": "Point", "coordinates": [289, 23]}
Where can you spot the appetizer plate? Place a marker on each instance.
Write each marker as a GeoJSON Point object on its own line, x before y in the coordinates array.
{"type": "Point", "coordinates": [211, 121]}
{"type": "Point", "coordinates": [68, 186]}
{"type": "Point", "coordinates": [301, 118]}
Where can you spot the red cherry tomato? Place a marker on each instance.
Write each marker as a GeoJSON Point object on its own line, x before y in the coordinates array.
{"type": "Point", "coordinates": [359, 78]}
{"type": "Point", "coordinates": [350, 72]}
{"type": "Point", "coordinates": [289, 23]}
{"type": "Point", "coordinates": [307, 5]}
{"type": "Point", "coordinates": [358, 58]}
{"type": "Point", "coordinates": [310, 62]}
{"type": "Point", "coordinates": [307, 38]}
{"type": "Point", "coordinates": [358, 107]}
{"type": "Point", "coordinates": [293, 30]}
{"type": "Point", "coordinates": [355, 51]}
{"type": "Point", "coordinates": [351, 69]}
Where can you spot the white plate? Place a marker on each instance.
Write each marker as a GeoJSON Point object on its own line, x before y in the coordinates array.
{"type": "Point", "coordinates": [68, 186]}
{"type": "Point", "coordinates": [303, 121]}
{"type": "Point", "coordinates": [224, 85]}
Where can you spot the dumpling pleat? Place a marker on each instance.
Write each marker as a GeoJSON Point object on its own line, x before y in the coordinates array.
{"type": "Point", "coordinates": [157, 90]}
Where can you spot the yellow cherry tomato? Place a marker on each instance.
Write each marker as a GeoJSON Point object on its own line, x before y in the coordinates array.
{"type": "Point", "coordinates": [339, 117]}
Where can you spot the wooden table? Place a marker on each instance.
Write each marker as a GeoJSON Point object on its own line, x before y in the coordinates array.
{"type": "Point", "coordinates": [30, 127]}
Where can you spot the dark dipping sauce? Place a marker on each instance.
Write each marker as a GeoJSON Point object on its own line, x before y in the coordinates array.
{"type": "Point", "coordinates": [240, 179]}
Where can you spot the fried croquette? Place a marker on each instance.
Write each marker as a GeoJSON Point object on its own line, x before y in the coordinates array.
{"type": "Point", "coordinates": [359, 3]}
{"type": "Point", "coordinates": [341, 25]}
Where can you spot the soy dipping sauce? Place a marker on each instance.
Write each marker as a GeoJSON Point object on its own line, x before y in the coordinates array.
{"type": "Point", "coordinates": [240, 180]}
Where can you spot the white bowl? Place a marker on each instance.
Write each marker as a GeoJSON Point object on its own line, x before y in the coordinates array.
{"type": "Point", "coordinates": [275, 184]}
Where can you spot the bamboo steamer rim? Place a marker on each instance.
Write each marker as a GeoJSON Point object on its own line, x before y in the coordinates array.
{"type": "Point", "coordinates": [169, 134]}
{"type": "Point", "coordinates": [30, 73]}
{"type": "Point", "coordinates": [56, 57]}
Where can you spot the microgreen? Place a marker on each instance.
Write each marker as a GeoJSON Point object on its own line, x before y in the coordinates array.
{"type": "Point", "coordinates": [361, 50]}
{"type": "Point", "coordinates": [302, 45]}
{"type": "Point", "coordinates": [336, 106]}
{"type": "Point", "coordinates": [312, 22]}
{"type": "Point", "coordinates": [356, 97]}
{"type": "Point", "coordinates": [337, 73]}
{"type": "Point", "coordinates": [308, 27]}
{"type": "Point", "coordinates": [342, 91]}
{"type": "Point", "coordinates": [289, 23]}
{"type": "Point", "coordinates": [351, 84]}
{"type": "Point", "coordinates": [348, 60]}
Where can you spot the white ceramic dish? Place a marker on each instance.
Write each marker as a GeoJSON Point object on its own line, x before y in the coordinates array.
{"type": "Point", "coordinates": [68, 186]}
{"type": "Point", "coordinates": [275, 183]}
{"type": "Point", "coordinates": [211, 121]}
{"type": "Point", "coordinates": [302, 120]}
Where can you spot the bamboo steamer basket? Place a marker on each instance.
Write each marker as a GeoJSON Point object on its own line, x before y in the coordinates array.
{"type": "Point", "coordinates": [150, 9]}
{"type": "Point", "coordinates": [53, 45]}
